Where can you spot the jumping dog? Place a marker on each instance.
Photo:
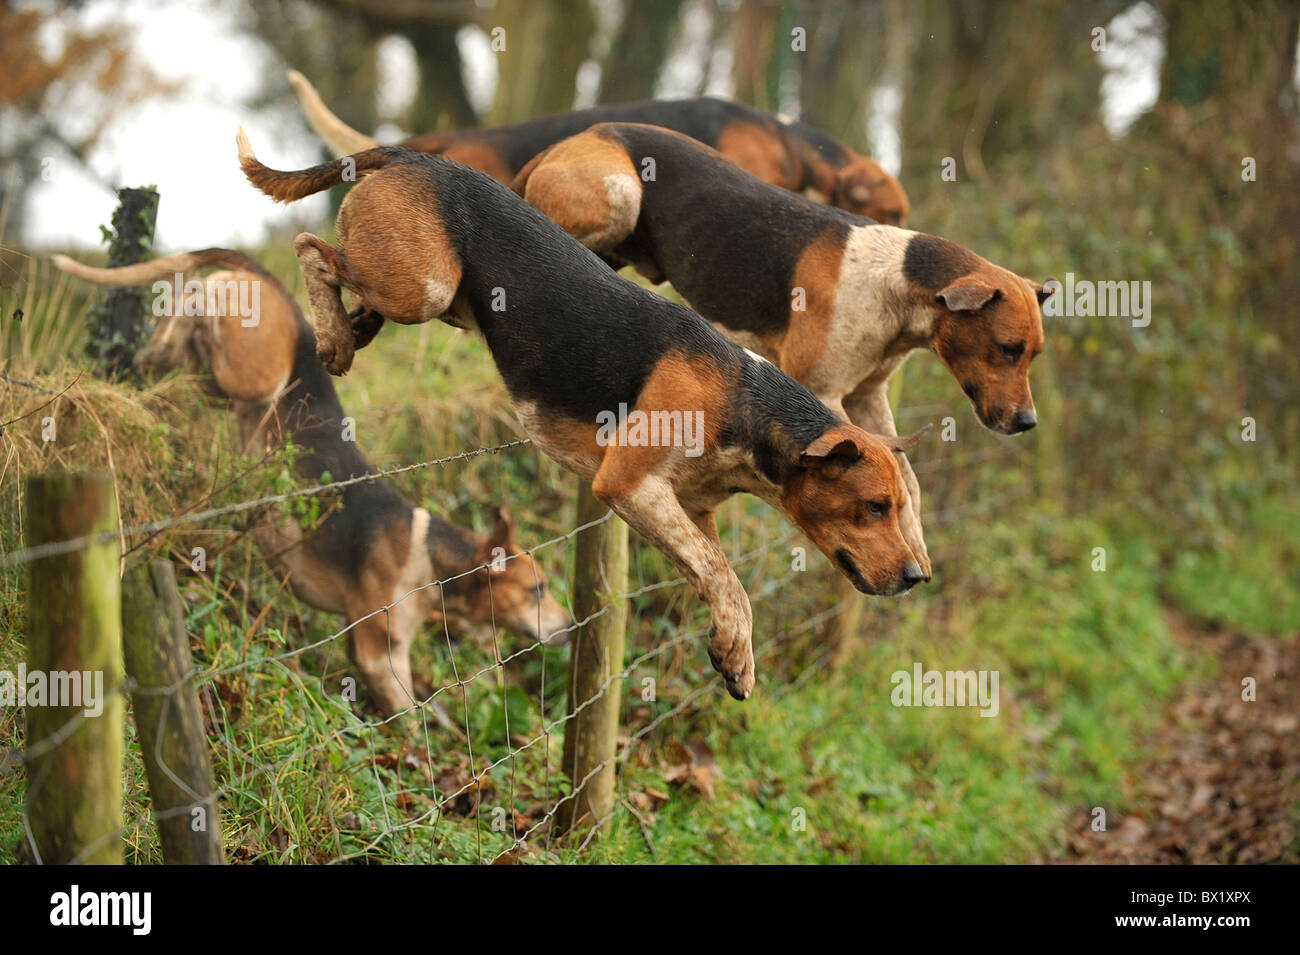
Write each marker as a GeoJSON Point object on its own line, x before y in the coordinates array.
{"type": "Point", "coordinates": [789, 155]}
{"type": "Point", "coordinates": [422, 238]}
{"type": "Point", "coordinates": [373, 550]}
{"type": "Point", "coordinates": [838, 302]}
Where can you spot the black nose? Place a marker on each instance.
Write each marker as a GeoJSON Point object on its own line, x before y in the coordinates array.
{"type": "Point", "coordinates": [913, 575]}
{"type": "Point", "coordinates": [1023, 421]}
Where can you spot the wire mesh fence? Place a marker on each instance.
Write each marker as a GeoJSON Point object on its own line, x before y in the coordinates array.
{"type": "Point", "coordinates": [491, 775]}
{"type": "Point", "coordinates": [471, 767]}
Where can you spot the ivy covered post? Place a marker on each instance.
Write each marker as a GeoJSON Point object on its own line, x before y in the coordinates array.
{"type": "Point", "coordinates": [117, 319]}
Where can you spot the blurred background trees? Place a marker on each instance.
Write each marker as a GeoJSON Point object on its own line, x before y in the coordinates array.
{"type": "Point", "coordinates": [64, 99]}
{"type": "Point", "coordinates": [1152, 141]}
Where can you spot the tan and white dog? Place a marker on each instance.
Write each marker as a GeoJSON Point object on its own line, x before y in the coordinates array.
{"type": "Point", "coordinates": [836, 301]}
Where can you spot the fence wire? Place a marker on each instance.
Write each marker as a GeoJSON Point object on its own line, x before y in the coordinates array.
{"type": "Point", "coordinates": [458, 791]}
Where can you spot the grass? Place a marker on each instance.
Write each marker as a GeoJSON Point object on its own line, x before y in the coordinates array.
{"type": "Point", "coordinates": [881, 784]}
{"type": "Point", "coordinates": [1248, 579]}
{"type": "Point", "coordinates": [1084, 656]}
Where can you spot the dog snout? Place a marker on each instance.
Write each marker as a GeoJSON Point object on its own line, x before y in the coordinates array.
{"type": "Point", "coordinates": [557, 627]}
{"type": "Point", "coordinates": [1023, 421]}
{"type": "Point", "coordinates": [913, 575]}
{"type": "Point", "coordinates": [560, 637]}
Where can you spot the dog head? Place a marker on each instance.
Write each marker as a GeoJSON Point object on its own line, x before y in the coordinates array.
{"type": "Point", "coordinates": [240, 344]}
{"type": "Point", "coordinates": [509, 589]}
{"type": "Point", "coordinates": [989, 328]}
{"type": "Point", "coordinates": [863, 188]}
{"type": "Point", "coordinates": [846, 494]}
{"type": "Point", "coordinates": [179, 343]}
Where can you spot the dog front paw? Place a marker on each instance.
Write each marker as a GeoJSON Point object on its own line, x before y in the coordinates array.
{"type": "Point", "coordinates": [734, 659]}
{"type": "Point", "coordinates": [916, 544]}
{"type": "Point", "coordinates": [917, 547]}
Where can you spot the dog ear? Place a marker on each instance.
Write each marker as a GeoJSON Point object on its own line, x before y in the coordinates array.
{"type": "Point", "coordinates": [503, 534]}
{"type": "Point", "coordinates": [901, 443]}
{"type": "Point", "coordinates": [969, 293]}
{"type": "Point", "coordinates": [1045, 290]}
{"type": "Point", "coordinates": [499, 543]}
{"type": "Point", "coordinates": [831, 448]}
{"type": "Point", "coordinates": [851, 184]}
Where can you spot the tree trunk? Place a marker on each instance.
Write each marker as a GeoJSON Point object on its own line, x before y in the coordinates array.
{"type": "Point", "coordinates": [638, 51]}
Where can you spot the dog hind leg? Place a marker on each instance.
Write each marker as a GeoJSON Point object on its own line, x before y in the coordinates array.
{"type": "Point", "coordinates": [589, 187]}
{"type": "Point", "coordinates": [323, 275]}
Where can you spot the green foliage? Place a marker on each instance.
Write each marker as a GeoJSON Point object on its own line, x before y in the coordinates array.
{"type": "Point", "coordinates": [304, 509]}
{"type": "Point", "coordinates": [1250, 578]}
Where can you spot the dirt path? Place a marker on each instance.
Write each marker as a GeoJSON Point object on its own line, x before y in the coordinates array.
{"type": "Point", "coordinates": [1225, 783]}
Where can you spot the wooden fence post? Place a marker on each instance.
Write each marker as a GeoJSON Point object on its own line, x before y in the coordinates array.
{"type": "Point", "coordinates": [590, 737]}
{"type": "Point", "coordinates": [118, 318]}
{"type": "Point", "coordinates": [74, 626]}
{"type": "Point", "coordinates": [168, 719]}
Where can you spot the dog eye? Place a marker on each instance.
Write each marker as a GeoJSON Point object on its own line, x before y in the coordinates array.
{"type": "Point", "coordinates": [1012, 353]}
{"type": "Point", "coordinates": [877, 508]}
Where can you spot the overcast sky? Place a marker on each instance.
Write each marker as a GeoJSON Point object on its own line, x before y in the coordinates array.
{"type": "Point", "coordinates": [185, 145]}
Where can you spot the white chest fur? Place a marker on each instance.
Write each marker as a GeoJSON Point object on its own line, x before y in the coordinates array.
{"type": "Point", "coordinates": [873, 309]}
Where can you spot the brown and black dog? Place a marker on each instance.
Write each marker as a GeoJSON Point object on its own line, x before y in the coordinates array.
{"type": "Point", "coordinates": [836, 301]}
{"type": "Point", "coordinates": [789, 155]}
{"type": "Point", "coordinates": [248, 338]}
{"type": "Point", "coordinates": [578, 348]}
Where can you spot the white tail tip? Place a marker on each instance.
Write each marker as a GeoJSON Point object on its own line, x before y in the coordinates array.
{"type": "Point", "coordinates": [245, 147]}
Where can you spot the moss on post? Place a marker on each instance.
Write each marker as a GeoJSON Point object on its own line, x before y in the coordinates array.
{"type": "Point", "coordinates": [74, 750]}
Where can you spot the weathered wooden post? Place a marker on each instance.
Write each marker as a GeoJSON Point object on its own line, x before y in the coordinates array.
{"type": "Point", "coordinates": [74, 649]}
{"type": "Point", "coordinates": [168, 719]}
{"type": "Point", "coordinates": [117, 319]}
{"type": "Point", "coordinates": [590, 737]}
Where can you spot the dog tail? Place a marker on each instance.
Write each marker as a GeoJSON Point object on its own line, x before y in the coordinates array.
{"type": "Point", "coordinates": [145, 273]}
{"type": "Point", "coordinates": [341, 138]}
{"type": "Point", "coordinates": [288, 186]}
